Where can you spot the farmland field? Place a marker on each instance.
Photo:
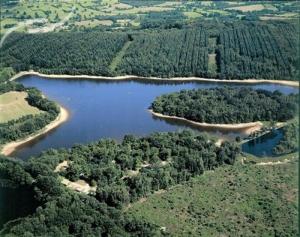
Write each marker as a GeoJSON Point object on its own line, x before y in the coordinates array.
{"type": "Point", "coordinates": [92, 14]}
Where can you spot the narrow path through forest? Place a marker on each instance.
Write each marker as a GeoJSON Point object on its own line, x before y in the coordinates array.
{"type": "Point", "coordinates": [117, 59]}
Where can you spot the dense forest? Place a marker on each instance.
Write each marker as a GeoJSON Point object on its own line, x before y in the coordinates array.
{"type": "Point", "coordinates": [237, 50]}
{"type": "Point", "coordinates": [62, 53]}
{"type": "Point", "coordinates": [122, 172]}
{"type": "Point", "coordinates": [290, 140]}
{"type": "Point", "coordinates": [227, 105]}
{"type": "Point", "coordinates": [258, 51]}
{"type": "Point", "coordinates": [26, 125]}
{"type": "Point", "coordinates": [168, 53]}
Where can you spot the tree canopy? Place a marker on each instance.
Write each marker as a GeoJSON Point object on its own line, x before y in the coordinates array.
{"type": "Point", "coordinates": [227, 105]}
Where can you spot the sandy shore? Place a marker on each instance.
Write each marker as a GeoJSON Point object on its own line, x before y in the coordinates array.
{"type": "Point", "coordinates": [248, 127]}
{"type": "Point", "coordinates": [179, 79]}
{"type": "Point", "coordinates": [10, 147]}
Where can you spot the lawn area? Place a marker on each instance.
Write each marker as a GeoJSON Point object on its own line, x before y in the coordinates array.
{"type": "Point", "coordinates": [239, 200]}
{"type": "Point", "coordinates": [13, 106]}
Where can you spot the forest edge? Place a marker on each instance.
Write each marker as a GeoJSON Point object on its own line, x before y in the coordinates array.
{"type": "Point", "coordinates": [178, 79]}
{"type": "Point", "coordinates": [9, 148]}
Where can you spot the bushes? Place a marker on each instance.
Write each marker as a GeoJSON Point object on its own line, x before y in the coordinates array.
{"type": "Point", "coordinates": [290, 141]}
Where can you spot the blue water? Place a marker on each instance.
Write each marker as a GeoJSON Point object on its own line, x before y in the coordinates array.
{"type": "Point", "coordinates": [263, 146]}
{"type": "Point", "coordinates": [102, 109]}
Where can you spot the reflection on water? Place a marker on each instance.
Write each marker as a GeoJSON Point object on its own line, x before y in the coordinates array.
{"type": "Point", "coordinates": [112, 109]}
{"type": "Point", "coordinates": [263, 146]}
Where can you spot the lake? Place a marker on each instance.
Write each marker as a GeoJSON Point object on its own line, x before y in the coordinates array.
{"type": "Point", "coordinates": [112, 109]}
{"type": "Point", "coordinates": [103, 109]}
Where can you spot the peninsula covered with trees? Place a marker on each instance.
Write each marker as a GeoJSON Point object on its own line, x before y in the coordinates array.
{"type": "Point", "coordinates": [26, 125]}
{"type": "Point", "coordinates": [123, 173]}
{"type": "Point", "coordinates": [227, 105]}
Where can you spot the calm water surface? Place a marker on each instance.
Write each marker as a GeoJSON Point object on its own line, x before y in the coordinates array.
{"type": "Point", "coordinates": [263, 146]}
{"type": "Point", "coordinates": [102, 109]}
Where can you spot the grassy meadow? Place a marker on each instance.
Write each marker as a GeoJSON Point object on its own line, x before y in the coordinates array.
{"type": "Point", "coordinates": [13, 105]}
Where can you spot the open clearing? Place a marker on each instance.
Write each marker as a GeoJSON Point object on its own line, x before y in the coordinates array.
{"type": "Point", "coordinates": [13, 105]}
{"type": "Point", "coordinates": [238, 200]}
{"type": "Point", "coordinates": [250, 8]}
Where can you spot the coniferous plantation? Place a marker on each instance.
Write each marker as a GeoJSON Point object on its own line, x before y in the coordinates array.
{"type": "Point", "coordinates": [160, 161]}
{"type": "Point", "coordinates": [258, 51]}
{"type": "Point", "coordinates": [227, 105]}
{"type": "Point", "coordinates": [63, 53]}
{"type": "Point", "coordinates": [237, 51]}
{"type": "Point", "coordinates": [168, 53]}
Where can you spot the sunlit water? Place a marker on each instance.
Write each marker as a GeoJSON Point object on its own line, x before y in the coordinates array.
{"type": "Point", "coordinates": [102, 109]}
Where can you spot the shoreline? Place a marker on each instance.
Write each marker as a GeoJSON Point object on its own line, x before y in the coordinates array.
{"type": "Point", "coordinates": [172, 79]}
{"type": "Point", "coordinates": [8, 148]}
{"type": "Point", "coordinates": [249, 127]}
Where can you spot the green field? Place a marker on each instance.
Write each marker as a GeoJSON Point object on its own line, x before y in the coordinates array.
{"type": "Point", "coordinates": [239, 200]}
{"type": "Point", "coordinates": [13, 106]}
{"type": "Point", "coordinates": [90, 14]}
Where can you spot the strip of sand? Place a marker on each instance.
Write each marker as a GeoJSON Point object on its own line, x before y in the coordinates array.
{"type": "Point", "coordinates": [274, 163]}
{"type": "Point", "coordinates": [249, 127]}
{"type": "Point", "coordinates": [179, 79]}
{"type": "Point", "coordinates": [10, 147]}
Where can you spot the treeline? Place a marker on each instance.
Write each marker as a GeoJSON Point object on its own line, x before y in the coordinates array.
{"type": "Point", "coordinates": [227, 105]}
{"type": "Point", "coordinates": [258, 51]}
{"type": "Point", "coordinates": [290, 140]}
{"type": "Point", "coordinates": [247, 49]}
{"type": "Point", "coordinates": [167, 53]}
{"type": "Point", "coordinates": [122, 172]}
{"type": "Point", "coordinates": [26, 125]}
{"type": "Point", "coordinates": [63, 212]}
{"type": "Point", "coordinates": [6, 73]}
{"type": "Point", "coordinates": [62, 53]}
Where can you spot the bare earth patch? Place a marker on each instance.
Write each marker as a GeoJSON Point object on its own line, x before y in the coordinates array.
{"type": "Point", "coordinates": [79, 186]}
{"type": "Point", "coordinates": [62, 166]}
